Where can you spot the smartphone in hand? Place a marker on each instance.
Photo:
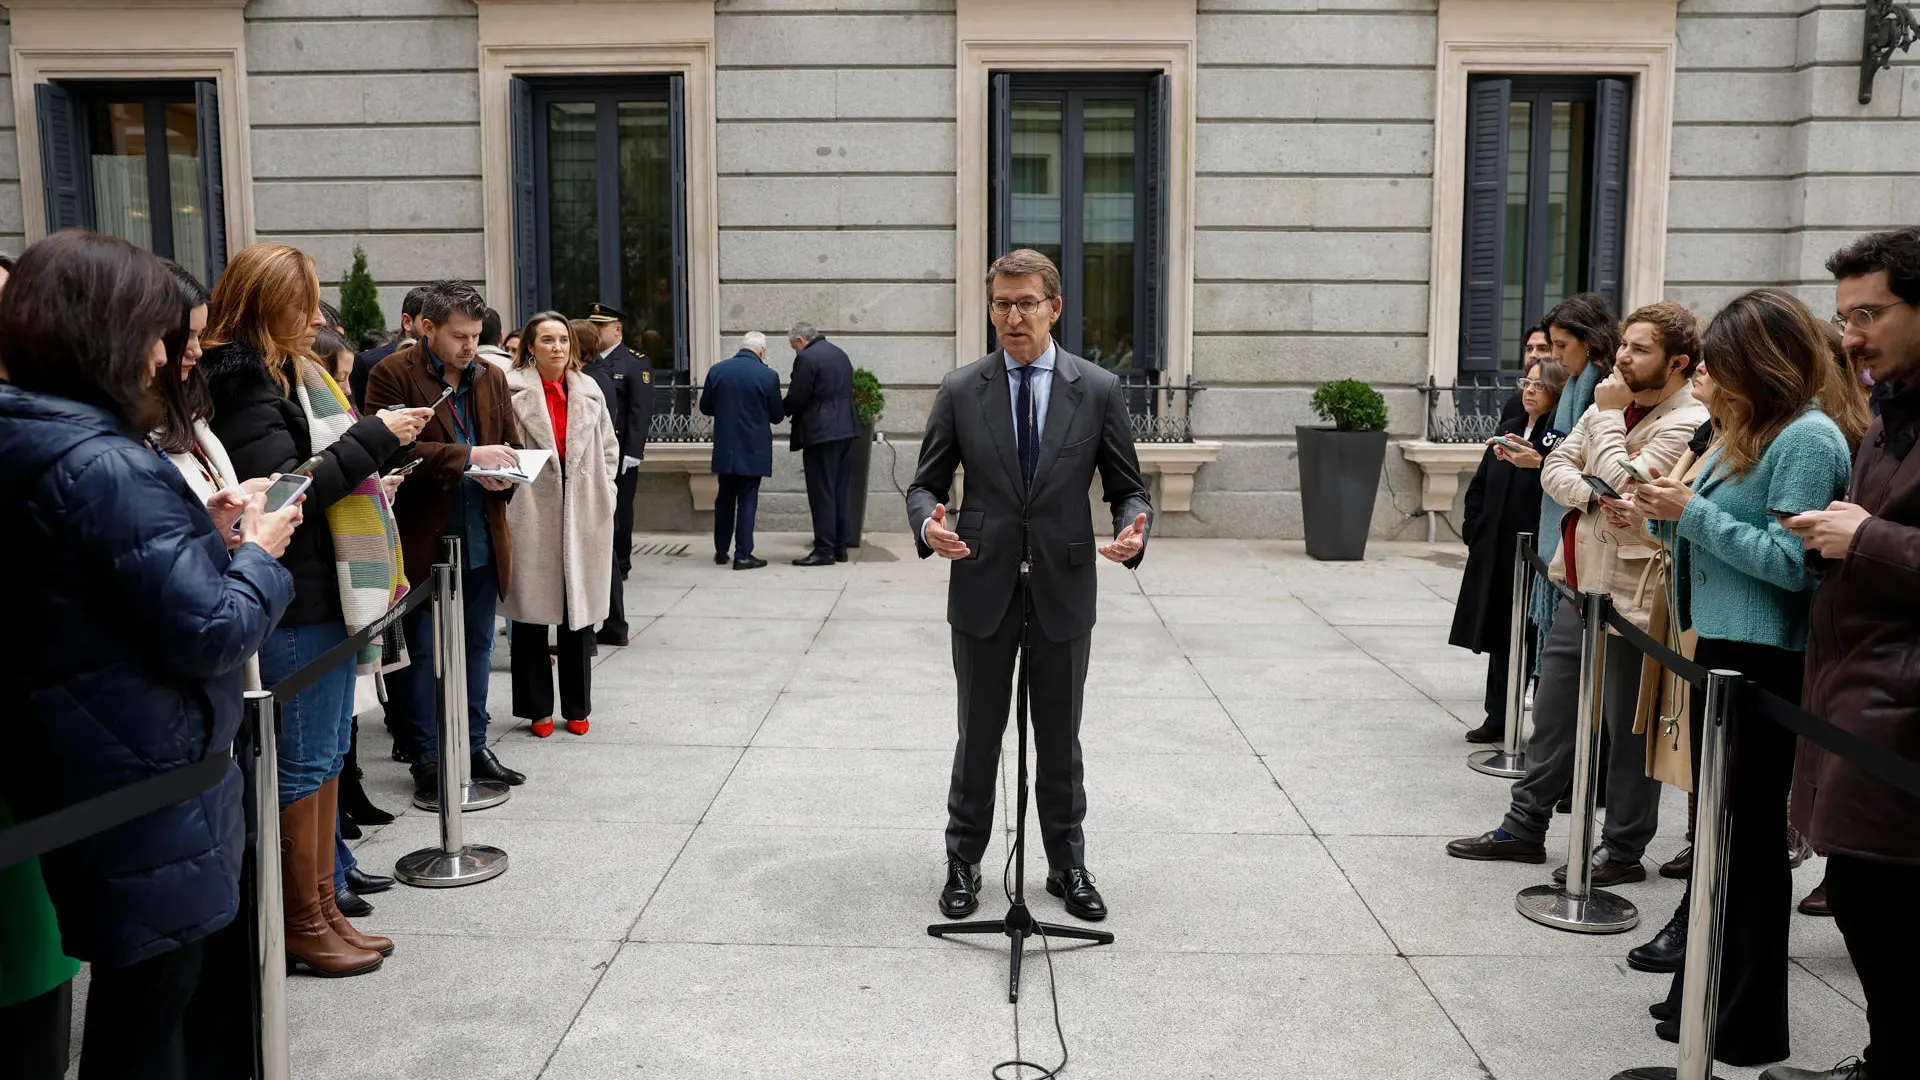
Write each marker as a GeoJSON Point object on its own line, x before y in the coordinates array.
{"type": "Point", "coordinates": [1627, 465]}
{"type": "Point", "coordinates": [1601, 487]}
{"type": "Point", "coordinates": [286, 489]}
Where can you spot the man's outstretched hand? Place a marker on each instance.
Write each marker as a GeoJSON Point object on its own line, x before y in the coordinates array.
{"type": "Point", "coordinates": [944, 541]}
{"type": "Point", "coordinates": [1129, 542]}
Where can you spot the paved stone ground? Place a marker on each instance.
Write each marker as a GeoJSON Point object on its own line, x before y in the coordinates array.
{"type": "Point", "coordinates": [731, 876]}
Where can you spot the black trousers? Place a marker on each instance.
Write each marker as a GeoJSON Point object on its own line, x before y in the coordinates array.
{"type": "Point", "coordinates": [1496, 703]}
{"type": "Point", "coordinates": [624, 487]}
{"type": "Point", "coordinates": [985, 669]}
{"type": "Point", "coordinates": [829, 468]}
{"type": "Point", "coordinates": [34, 1035]}
{"type": "Point", "coordinates": [135, 1014]}
{"type": "Point", "coordinates": [533, 673]}
{"type": "Point", "coordinates": [1752, 1028]}
{"type": "Point", "coordinates": [616, 620]}
{"type": "Point", "coordinates": [1873, 906]}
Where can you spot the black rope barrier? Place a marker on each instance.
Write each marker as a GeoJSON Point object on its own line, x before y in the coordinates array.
{"type": "Point", "coordinates": [1694, 674]}
{"type": "Point", "coordinates": [346, 650]}
{"type": "Point", "coordinates": [109, 810]}
{"type": "Point", "coordinates": [1571, 594]}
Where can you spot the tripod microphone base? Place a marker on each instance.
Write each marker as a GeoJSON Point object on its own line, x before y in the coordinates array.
{"type": "Point", "coordinates": [1019, 925]}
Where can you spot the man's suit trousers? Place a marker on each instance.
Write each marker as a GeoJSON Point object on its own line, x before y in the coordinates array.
{"type": "Point", "coordinates": [829, 468]}
{"type": "Point", "coordinates": [986, 669]}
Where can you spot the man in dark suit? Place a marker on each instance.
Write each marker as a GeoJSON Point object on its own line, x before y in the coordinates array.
{"type": "Point", "coordinates": [820, 403]}
{"type": "Point", "coordinates": [365, 362]}
{"type": "Point", "coordinates": [1031, 424]}
{"type": "Point", "coordinates": [742, 394]}
{"type": "Point", "coordinates": [626, 381]}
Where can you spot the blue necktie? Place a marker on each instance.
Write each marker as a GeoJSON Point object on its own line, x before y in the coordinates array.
{"type": "Point", "coordinates": [1024, 431]}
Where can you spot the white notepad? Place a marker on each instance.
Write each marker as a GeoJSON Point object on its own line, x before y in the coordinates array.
{"type": "Point", "coordinates": [526, 472]}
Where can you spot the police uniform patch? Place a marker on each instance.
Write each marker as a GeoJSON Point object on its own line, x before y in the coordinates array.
{"type": "Point", "coordinates": [647, 377]}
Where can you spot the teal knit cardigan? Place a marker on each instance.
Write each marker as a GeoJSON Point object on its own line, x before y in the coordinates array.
{"type": "Point", "coordinates": [1739, 574]}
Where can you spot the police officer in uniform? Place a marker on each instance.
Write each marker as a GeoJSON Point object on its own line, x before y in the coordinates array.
{"type": "Point", "coordinates": [626, 381]}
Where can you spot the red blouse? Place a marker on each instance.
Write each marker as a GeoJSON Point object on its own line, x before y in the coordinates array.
{"type": "Point", "coordinates": [557, 413]}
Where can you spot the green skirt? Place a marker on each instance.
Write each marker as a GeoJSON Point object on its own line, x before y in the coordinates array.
{"type": "Point", "coordinates": [31, 962]}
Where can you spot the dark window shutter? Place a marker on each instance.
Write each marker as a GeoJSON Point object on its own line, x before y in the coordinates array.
{"type": "Point", "coordinates": [677, 195]}
{"type": "Point", "coordinates": [64, 168]}
{"type": "Point", "coordinates": [526, 246]}
{"type": "Point", "coordinates": [1606, 247]}
{"type": "Point", "coordinates": [206, 102]}
{"type": "Point", "coordinates": [999, 178]}
{"type": "Point", "coordinates": [1159, 180]}
{"type": "Point", "coordinates": [1484, 241]}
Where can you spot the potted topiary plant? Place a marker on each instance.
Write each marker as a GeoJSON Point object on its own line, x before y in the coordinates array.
{"type": "Point", "coordinates": [360, 300]}
{"type": "Point", "coordinates": [868, 402]}
{"type": "Point", "coordinates": [1340, 468]}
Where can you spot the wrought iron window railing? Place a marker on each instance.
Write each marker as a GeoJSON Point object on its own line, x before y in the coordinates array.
{"type": "Point", "coordinates": [1157, 413]}
{"type": "Point", "coordinates": [1469, 410]}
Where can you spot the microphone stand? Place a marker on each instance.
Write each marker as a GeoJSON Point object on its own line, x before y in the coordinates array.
{"type": "Point", "coordinates": [1019, 923]}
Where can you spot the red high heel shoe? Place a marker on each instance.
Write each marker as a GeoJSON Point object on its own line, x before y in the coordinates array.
{"type": "Point", "coordinates": [542, 728]}
{"type": "Point", "coordinates": [578, 727]}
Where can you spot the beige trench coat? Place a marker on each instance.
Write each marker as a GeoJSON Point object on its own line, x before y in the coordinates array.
{"type": "Point", "coordinates": [562, 523]}
{"type": "Point", "coordinates": [1663, 711]}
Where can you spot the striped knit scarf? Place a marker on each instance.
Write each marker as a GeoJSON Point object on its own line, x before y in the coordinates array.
{"type": "Point", "coordinates": [366, 542]}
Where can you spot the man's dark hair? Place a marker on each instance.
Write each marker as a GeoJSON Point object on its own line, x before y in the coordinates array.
{"type": "Point", "coordinates": [184, 399]}
{"type": "Point", "coordinates": [80, 317]}
{"type": "Point", "coordinates": [490, 328]}
{"type": "Point", "coordinates": [1587, 318]}
{"type": "Point", "coordinates": [373, 339]}
{"type": "Point", "coordinates": [449, 297]}
{"type": "Point", "coordinates": [416, 296]}
{"type": "Point", "coordinates": [1897, 251]}
{"type": "Point", "coordinates": [331, 316]}
{"type": "Point", "coordinates": [6, 262]}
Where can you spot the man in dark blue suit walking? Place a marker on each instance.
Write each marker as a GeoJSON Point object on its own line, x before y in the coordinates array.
{"type": "Point", "coordinates": [820, 401]}
{"type": "Point", "coordinates": [743, 397]}
{"type": "Point", "coordinates": [365, 362]}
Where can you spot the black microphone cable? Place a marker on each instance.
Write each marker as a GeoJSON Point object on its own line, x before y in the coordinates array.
{"type": "Point", "coordinates": [1053, 994]}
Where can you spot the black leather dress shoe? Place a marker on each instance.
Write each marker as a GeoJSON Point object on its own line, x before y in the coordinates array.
{"type": "Point", "coordinates": [720, 558]}
{"type": "Point", "coordinates": [351, 904]}
{"type": "Point", "coordinates": [487, 767]}
{"type": "Point", "coordinates": [817, 558]}
{"type": "Point", "coordinates": [749, 563]}
{"type": "Point", "coordinates": [1607, 871]}
{"type": "Point", "coordinates": [1075, 886]}
{"type": "Point", "coordinates": [367, 884]}
{"type": "Point", "coordinates": [349, 829]}
{"type": "Point", "coordinates": [1486, 848]}
{"type": "Point", "coordinates": [961, 897]}
{"type": "Point", "coordinates": [1666, 952]}
{"type": "Point", "coordinates": [426, 780]}
{"type": "Point", "coordinates": [840, 556]}
{"type": "Point", "coordinates": [1850, 1069]}
{"type": "Point", "coordinates": [605, 637]}
{"type": "Point", "coordinates": [1487, 733]}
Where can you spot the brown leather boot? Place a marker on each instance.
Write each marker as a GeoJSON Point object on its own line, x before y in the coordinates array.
{"type": "Point", "coordinates": [325, 820]}
{"type": "Point", "coordinates": [311, 942]}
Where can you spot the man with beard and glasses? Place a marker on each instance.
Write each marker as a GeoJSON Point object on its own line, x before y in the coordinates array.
{"type": "Point", "coordinates": [1643, 411]}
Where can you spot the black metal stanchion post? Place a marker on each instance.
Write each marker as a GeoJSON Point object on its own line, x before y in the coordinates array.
{"type": "Point", "coordinates": [454, 862]}
{"type": "Point", "coordinates": [1706, 919]}
{"type": "Point", "coordinates": [270, 928]}
{"type": "Point", "coordinates": [1509, 760]}
{"type": "Point", "coordinates": [1578, 906]}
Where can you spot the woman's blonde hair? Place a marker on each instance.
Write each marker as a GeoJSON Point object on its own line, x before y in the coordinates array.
{"type": "Point", "coordinates": [251, 305]}
{"type": "Point", "coordinates": [523, 350]}
{"type": "Point", "coordinates": [1769, 360]}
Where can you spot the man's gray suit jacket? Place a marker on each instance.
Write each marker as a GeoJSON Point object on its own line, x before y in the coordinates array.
{"type": "Point", "coordinates": [972, 426]}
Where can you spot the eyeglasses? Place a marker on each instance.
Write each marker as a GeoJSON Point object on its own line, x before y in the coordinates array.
{"type": "Point", "coordinates": [1028, 308]}
{"type": "Point", "coordinates": [1861, 317]}
{"type": "Point", "coordinates": [1530, 384]}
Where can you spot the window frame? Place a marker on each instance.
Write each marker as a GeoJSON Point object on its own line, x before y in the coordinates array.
{"type": "Point", "coordinates": [153, 96]}
{"type": "Point", "coordinates": [1074, 91]}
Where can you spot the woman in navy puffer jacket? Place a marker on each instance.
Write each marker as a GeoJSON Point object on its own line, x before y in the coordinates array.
{"type": "Point", "coordinates": [125, 634]}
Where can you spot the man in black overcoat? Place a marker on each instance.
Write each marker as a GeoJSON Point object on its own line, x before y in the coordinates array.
{"type": "Point", "coordinates": [820, 404]}
{"type": "Point", "coordinates": [626, 381]}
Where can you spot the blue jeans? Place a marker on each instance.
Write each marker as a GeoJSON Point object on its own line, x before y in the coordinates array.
{"type": "Point", "coordinates": [733, 514]}
{"type": "Point", "coordinates": [412, 692]}
{"type": "Point", "coordinates": [316, 725]}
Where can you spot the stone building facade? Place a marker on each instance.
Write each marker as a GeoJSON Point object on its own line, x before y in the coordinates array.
{"type": "Point", "coordinates": [1296, 203]}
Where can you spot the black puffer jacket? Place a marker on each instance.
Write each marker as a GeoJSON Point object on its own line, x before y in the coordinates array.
{"type": "Point", "coordinates": [266, 432]}
{"type": "Point", "coordinates": [125, 630]}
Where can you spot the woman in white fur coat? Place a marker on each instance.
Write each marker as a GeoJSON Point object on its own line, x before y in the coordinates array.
{"type": "Point", "coordinates": [562, 525]}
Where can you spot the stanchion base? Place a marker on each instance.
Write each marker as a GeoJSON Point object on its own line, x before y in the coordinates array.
{"type": "Point", "coordinates": [1499, 763]}
{"type": "Point", "coordinates": [1653, 1072]}
{"type": "Point", "coordinates": [431, 868]}
{"type": "Point", "coordinates": [1601, 912]}
{"type": "Point", "coordinates": [480, 795]}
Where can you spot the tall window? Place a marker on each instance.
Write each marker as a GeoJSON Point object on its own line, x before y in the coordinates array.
{"type": "Point", "coordinates": [599, 169]}
{"type": "Point", "coordinates": [1079, 173]}
{"type": "Point", "coordinates": [137, 160]}
{"type": "Point", "coordinates": [1546, 206]}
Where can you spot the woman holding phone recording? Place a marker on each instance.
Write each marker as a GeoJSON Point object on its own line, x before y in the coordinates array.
{"type": "Point", "coordinates": [562, 523]}
{"type": "Point", "coordinates": [1741, 583]}
{"type": "Point", "coordinates": [1502, 502]}
{"type": "Point", "coordinates": [278, 410]}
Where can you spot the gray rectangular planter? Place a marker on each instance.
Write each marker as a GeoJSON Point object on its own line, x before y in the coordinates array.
{"type": "Point", "coordinates": [1339, 476]}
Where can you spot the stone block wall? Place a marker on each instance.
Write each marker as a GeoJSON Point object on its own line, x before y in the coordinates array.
{"type": "Point", "coordinates": [12, 222]}
{"type": "Point", "coordinates": [1313, 205]}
